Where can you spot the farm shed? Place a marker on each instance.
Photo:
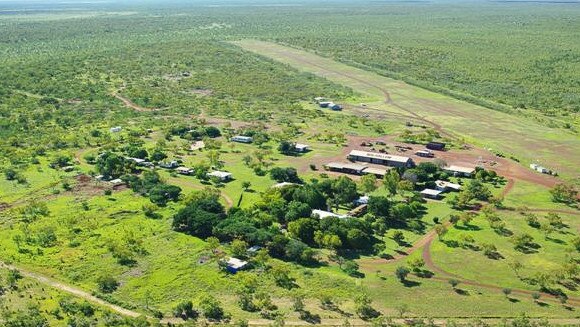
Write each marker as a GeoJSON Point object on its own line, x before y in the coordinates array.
{"type": "Point", "coordinates": [115, 129]}
{"type": "Point", "coordinates": [325, 214]}
{"type": "Point", "coordinates": [540, 169]}
{"type": "Point", "coordinates": [439, 146]}
{"type": "Point", "coordinates": [325, 104]}
{"type": "Point", "coordinates": [425, 154]}
{"type": "Point", "coordinates": [68, 168]}
{"type": "Point", "coordinates": [431, 194]}
{"type": "Point", "coordinates": [254, 249]}
{"type": "Point", "coordinates": [242, 139]}
{"type": "Point", "coordinates": [361, 200]}
{"type": "Point", "coordinates": [221, 175]}
{"type": "Point", "coordinates": [301, 147]}
{"type": "Point", "coordinates": [284, 184]}
{"type": "Point", "coordinates": [138, 161]}
{"type": "Point", "coordinates": [444, 186]}
{"type": "Point", "coordinates": [348, 168]}
{"type": "Point", "coordinates": [169, 165]}
{"type": "Point", "coordinates": [184, 171]}
{"type": "Point", "coordinates": [335, 107]}
{"type": "Point", "coordinates": [234, 265]}
{"type": "Point", "coordinates": [116, 182]}
{"type": "Point", "coordinates": [460, 171]}
{"type": "Point", "coordinates": [381, 159]}
{"type": "Point", "coordinates": [375, 171]}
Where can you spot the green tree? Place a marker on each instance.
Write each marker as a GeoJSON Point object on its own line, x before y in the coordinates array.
{"type": "Point", "coordinates": [350, 267]}
{"type": "Point", "coordinates": [111, 165]}
{"type": "Point", "coordinates": [107, 284]}
{"type": "Point", "coordinates": [303, 229]}
{"type": "Point", "coordinates": [239, 248]}
{"type": "Point", "coordinates": [298, 302]}
{"type": "Point", "coordinates": [344, 189]}
{"type": "Point", "coordinates": [398, 237]}
{"type": "Point", "coordinates": [507, 292]}
{"type": "Point", "coordinates": [441, 230]}
{"type": "Point", "coordinates": [286, 147]}
{"type": "Point", "coordinates": [453, 283]}
{"type": "Point", "coordinates": [163, 193]}
{"type": "Point", "coordinates": [211, 307]}
{"type": "Point", "coordinates": [32, 317]}
{"type": "Point", "coordinates": [363, 308]}
{"type": "Point", "coordinates": [281, 275]}
{"type": "Point", "coordinates": [416, 264]}
{"type": "Point", "coordinates": [185, 311]}
{"type": "Point", "coordinates": [401, 273]}
{"type": "Point", "coordinates": [368, 183]}
{"type": "Point", "coordinates": [391, 181]}
{"type": "Point", "coordinates": [379, 206]}
{"type": "Point", "coordinates": [564, 193]}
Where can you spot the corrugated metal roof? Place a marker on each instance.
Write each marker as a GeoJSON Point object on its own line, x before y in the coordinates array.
{"type": "Point", "coordinates": [460, 169]}
{"type": "Point", "coordinates": [381, 156]}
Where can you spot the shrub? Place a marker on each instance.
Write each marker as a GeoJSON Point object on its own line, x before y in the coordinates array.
{"type": "Point", "coordinates": [107, 284]}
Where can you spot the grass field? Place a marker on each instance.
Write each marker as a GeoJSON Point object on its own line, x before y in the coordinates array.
{"type": "Point", "coordinates": [500, 131]}
{"type": "Point", "coordinates": [72, 74]}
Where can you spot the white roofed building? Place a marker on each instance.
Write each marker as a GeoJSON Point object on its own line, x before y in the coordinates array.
{"type": "Point", "coordinates": [460, 171]}
{"type": "Point", "coordinates": [221, 175]}
{"type": "Point", "coordinates": [325, 214]}
{"type": "Point", "coordinates": [380, 158]}
{"type": "Point", "coordinates": [299, 147]}
{"type": "Point", "coordinates": [431, 194]}
{"type": "Point", "coordinates": [444, 186]}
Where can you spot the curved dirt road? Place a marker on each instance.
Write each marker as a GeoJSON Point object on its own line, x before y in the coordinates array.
{"type": "Point", "coordinates": [72, 290]}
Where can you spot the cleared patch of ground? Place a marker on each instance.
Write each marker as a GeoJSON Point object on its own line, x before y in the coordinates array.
{"type": "Point", "coordinates": [514, 135]}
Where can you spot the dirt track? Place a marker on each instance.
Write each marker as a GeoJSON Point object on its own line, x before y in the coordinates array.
{"type": "Point", "coordinates": [128, 103]}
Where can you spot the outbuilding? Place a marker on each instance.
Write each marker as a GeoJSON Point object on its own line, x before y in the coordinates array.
{"type": "Point", "coordinates": [115, 129]}
{"type": "Point", "coordinates": [242, 139]}
{"type": "Point", "coordinates": [425, 154]}
{"type": "Point", "coordinates": [325, 214]}
{"type": "Point", "coordinates": [380, 173]}
{"type": "Point", "coordinates": [348, 168]}
{"type": "Point", "coordinates": [539, 168]}
{"type": "Point", "coordinates": [169, 165]}
{"type": "Point", "coordinates": [184, 170]}
{"type": "Point", "coordinates": [284, 184]}
{"type": "Point", "coordinates": [234, 265]}
{"type": "Point", "coordinates": [362, 200]}
{"type": "Point", "coordinates": [254, 249]}
{"type": "Point", "coordinates": [438, 146]}
{"type": "Point", "coordinates": [335, 107]}
{"type": "Point", "coordinates": [445, 186]}
{"type": "Point", "coordinates": [116, 182]}
{"type": "Point", "coordinates": [299, 147]}
{"type": "Point", "coordinates": [381, 159]}
{"type": "Point", "coordinates": [221, 175]}
{"type": "Point", "coordinates": [460, 171]}
{"type": "Point", "coordinates": [431, 194]}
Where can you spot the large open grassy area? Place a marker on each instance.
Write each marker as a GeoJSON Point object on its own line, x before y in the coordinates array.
{"type": "Point", "coordinates": [485, 127]}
